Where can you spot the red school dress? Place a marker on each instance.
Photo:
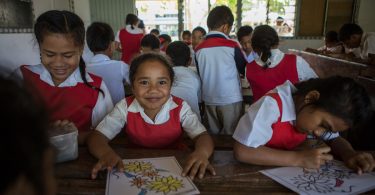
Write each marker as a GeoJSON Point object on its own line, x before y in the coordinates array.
{"type": "Point", "coordinates": [263, 80]}
{"type": "Point", "coordinates": [74, 103]}
{"type": "Point", "coordinates": [166, 135]}
{"type": "Point", "coordinates": [284, 135]}
{"type": "Point", "coordinates": [130, 44]}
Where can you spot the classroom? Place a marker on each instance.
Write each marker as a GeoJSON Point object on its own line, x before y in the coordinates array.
{"type": "Point", "coordinates": [187, 96]}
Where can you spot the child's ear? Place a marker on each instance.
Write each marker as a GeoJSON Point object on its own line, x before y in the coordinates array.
{"type": "Point", "coordinates": [312, 96]}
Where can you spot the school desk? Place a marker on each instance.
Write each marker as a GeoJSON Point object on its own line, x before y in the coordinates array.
{"type": "Point", "coordinates": [232, 177]}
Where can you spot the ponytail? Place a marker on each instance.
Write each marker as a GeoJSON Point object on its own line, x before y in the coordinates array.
{"type": "Point", "coordinates": [82, 70]}
{"type": "Point", "coordinates": [263, 39]}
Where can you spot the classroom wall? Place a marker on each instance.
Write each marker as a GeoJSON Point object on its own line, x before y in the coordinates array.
{"type": "Point", "coordinates": [366, 15]}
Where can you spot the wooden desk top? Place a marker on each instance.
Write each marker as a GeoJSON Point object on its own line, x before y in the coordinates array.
{"type": "Point", "coordinates": [232, 176]}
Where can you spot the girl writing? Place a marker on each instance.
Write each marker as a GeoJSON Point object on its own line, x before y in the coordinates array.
{"type": "Point", "coordinates": [70, 93]}
{"type": "Point", "coordinates": [280, 121]}
{"type": "Point", "coordinates": [152, 118]}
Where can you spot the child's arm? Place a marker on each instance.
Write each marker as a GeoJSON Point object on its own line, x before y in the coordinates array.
{"type": "Point", "coordinates": [359, 161]}
{"type": "Point", "coordinates": [99, 147]}
{"type": "Point", "coordinates": [263, 155]}
{"type": "Point", "coordinates": [197, 162]}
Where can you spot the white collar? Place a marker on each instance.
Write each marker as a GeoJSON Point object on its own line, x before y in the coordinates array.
{"type": "Point", "coordinates": [275, 59]}
{"type": "Point", "coordinates": [161, 117]}
{"type": "Point", "coordinates": [71, 81]}
{"type": "Point", "coordinates": [99, 58]}
{"type": "Point", "coordinates": [136, 30]}
{"type": "Point", "coordinates": [286, 91]}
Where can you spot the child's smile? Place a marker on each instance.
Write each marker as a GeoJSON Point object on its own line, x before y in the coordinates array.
{"type": "Point", "coordinates": [151, 87]}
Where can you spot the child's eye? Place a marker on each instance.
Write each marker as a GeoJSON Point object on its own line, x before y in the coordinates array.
{"type": "Point", "coordinates": [49, 55]}
{"type": "Point", "coordinates": [163, 82]}
{"type": "Point", "coordinates": [143, 82]}
{"type": "Point", "coordinates": [68, 56]}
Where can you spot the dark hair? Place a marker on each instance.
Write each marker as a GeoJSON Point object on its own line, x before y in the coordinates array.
{"type": "Point", "coordinates": [263, 39]}
{"type": "Point", "coordinates": [199, 28]}
{"type": "Point", "coordinates": [64, 22]}
{"type": "Point", "coordinates": [131, 20]}
{"type": "Point", "coordinates": [340, 96]}
{"type": "Point", "coordinates": [99, 36]}
{"type": "Point", "coordinates": [186, 32]}
{"type": "Point", "coordinates": [155, 31]}
{"type": "Point", "coordinates": [165, 37]}
{"type": "Point", "coordinates": [146, 57]}
{"type": "Point", "coordinates": [244, 31]}
{"type": "Point", "coordinates": [348, 30]}
{"type": "Point", "coordinates": [219, 16]}
{"type": "Point", "coordinates": [331, 36]}
{"type": "Point", "coordinates": [141, 24]}
{"type": "Point", "coordinates": [179, 52]}
{"type": "Point", "coordinates": [151, 41]}
{"type": "Point", "coordinates": [24, 141]}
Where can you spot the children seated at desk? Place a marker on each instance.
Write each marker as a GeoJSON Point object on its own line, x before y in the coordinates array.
{"type": "Point", "coordinates": [353, 37]}
{"type": "Point", "coordinates": [187, 84]}
{"type": "Point", "coordinates": [273, 67]}
{"type": "Point", "coordinates": [100, 39]}
{"type": "Point", "coordinates": [152, 118]}
{"type": "Point", "coordinates": [27, 157]}
{"type": "Point", "coordinates": [332, 45]}
{"type": "Point", "coordinates": [282, 119]}
{"type": "Point", "coordinates": [61, 80]}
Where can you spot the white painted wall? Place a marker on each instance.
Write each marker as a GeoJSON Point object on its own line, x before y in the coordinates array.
{"type": "Point", "coordinates": [366, 15]}
{"type": "Point", "coordinates": [300, 44]}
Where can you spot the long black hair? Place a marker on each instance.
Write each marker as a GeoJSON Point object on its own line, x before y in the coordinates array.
{"type": "Point", "coordinates": [131, 20]}
{"type": "Point", "coordinates": [263, 39]}
{"type": "Point", "coordinates": [340, 96]}
{"type": "Point", "coordinates": [64, 22]}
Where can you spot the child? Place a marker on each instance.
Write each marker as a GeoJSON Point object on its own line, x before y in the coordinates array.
{"type": "Point", "coordinates": [150, 43]}
{"type": "Point", "coordinates": [27, 155]}
{"type": "Point", "coordinates": [155, 32]}
{"type": "Point", "coordinates": [219, 59]}
{"type": "Point", "coordinates": [197, 36]}
{"type": "Point", "coordinates": [61, 80]}
{"type": "Point", "coordinates": [281, 120]}
{"type": "Point", "coordinates": [187, 84]}
{"type": "Point", "coordinates": [186, 37]}
{"type": "Point", "coordinates": [128, 39]}
{"type": "Point", "coordinates": [353, 36]}
{"type": "Point", "coordinates": [332, 45]}
{"type": "Point", "coordinates": [100, 39]}
{"type": "Point", "coordinates": [244, 37]}
{"type": "Point", "coordinates": [164, 42]}
{"type": "Point", "coordinates": [273, 67]}
{"type": "Point", "coordinates": [152, 118]}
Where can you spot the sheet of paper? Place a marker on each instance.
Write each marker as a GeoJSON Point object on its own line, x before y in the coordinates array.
{"type": "Point", "coordinates": [150, 176]}
{"type": "Point", "coordinates": [333, 178]}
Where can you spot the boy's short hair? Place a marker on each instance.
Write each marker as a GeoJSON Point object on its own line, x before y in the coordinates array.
{"type": "Point", "coordinates": [348, 30]}
{"type": "Point", "coordinates": [244, 31]}
{"type": "Point", "coordinates": [155, 31]}
{"type": "Point", "coordinates": [179, 52]}
{"type": "Point", "coordinates": [164, 37]}
{"type": "Point", "coordinates": [99, 36]}
{"type": "Point", "coordinates": [186, 32]}
{"type": "Point", "coordinates": [332, 36]}
{"type": "Point", "coordinates": [150, 41]}
{"type": "Point", "coordinates": [200, 29]}
{"type": "Point", "coordinates": [219, 16]}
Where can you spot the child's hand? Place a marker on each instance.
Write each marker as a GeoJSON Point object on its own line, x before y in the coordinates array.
{"type": "Point", "coordinates": [197, 163]}
{"type": "Point", "coordinates": [107, 161]}
{"type": "Point", "coordinates": [361, 162]}
{"type": "Point", "coordinates": [314, 158]}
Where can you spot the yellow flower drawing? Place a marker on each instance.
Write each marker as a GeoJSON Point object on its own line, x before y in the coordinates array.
{"type": "Point", "coordinates": [165, 184]}
{"type": "Point", "coordinates": [137, 167]}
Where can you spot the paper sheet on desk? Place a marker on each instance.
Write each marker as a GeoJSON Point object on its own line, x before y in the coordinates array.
{"type": "Point", "coordinates": [150, 176]}
{"type": "Point", "coordinates": [333, 178]}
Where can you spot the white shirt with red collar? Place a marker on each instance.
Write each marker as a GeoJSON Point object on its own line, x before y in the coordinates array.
{"type": "Point", "coordinates": [114, 122]}
{"type": "Point", "coordinates": [255, 128]}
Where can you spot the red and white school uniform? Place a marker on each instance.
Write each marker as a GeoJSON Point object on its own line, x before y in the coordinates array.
{"type": "Point", "coordinates": [174, 117]}
{"type": "Point", "coordinates": [283, 67]}
{"type": "Point", "coordinates": [72, 100]}
{"type": "Point", "coordinates": [271, 120]}
{"type": "Point", "coordinates": [130, 40]}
